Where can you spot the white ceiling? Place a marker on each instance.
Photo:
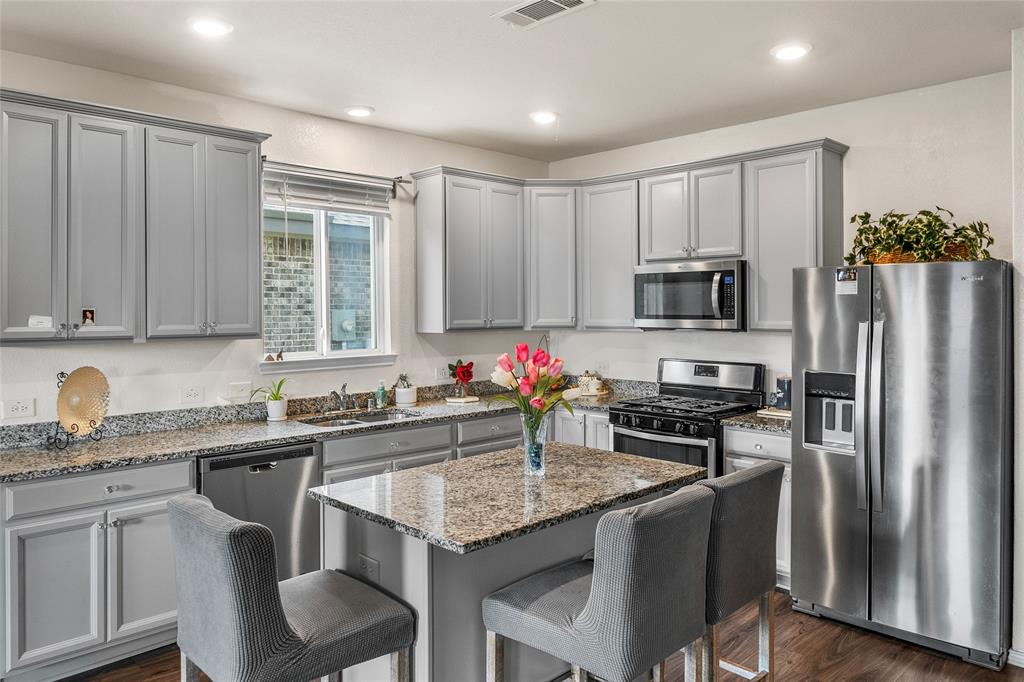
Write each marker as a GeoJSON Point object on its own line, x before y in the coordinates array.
{"type": "Point", "coordinates": [619, 72]}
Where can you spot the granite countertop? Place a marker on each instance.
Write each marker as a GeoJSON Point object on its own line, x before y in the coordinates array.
{"type": "Point", "coordinates": [752, 421]}
{"type": "Point", "coordinates": [25, 463]}
{"type": "Point", "coordinates": [468, 504]}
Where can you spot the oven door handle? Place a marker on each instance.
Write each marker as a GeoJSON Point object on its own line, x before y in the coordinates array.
{"type": "Point", "coordinates": [711, 444]}
{"type": "Point", "coordinates": [716, 281]}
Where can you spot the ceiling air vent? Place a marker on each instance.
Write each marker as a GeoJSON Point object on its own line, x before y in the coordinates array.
{"type": "Point", "coordinates": [534, 12]}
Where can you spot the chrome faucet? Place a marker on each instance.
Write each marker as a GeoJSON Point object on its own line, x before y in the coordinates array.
{"type": "Point", "coordinates": [345, 402]}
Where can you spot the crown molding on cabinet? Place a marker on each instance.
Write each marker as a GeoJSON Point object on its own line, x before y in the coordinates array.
{"type": "Point", "coordinates": [88, 108]}
{"type": "Point", "coordinates": [825, 143]}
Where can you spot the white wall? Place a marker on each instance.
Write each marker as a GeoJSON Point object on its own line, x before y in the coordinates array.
{"type": "Point", "coordinates": [1017, 657]}
{"type": "Point", "coordinates": [150, 376]}
{"type": "Point", "coordinates": [945, 145]}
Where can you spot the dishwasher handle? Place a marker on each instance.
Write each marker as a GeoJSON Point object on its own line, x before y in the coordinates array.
{"type": "Point", "coordinates": [260, 468]}
{"type": "Point", "coordinates": [255, 458]}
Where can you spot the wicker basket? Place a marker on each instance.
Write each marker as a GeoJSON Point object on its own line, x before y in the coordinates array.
{"type": "Point", "coordinates": [896, 256]}
{"type": "Point", "coordinates": [955, 252]}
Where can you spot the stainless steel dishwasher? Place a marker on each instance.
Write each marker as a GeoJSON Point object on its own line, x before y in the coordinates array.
{"type": "Point", "coordinates": [269, 486]}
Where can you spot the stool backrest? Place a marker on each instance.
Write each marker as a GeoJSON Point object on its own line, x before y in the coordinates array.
{"type": "Point", "coordinates": [741, 550]}
{"type": "Point", "coordinates": [647, 596]}
{"type": "Point", "coordinates": [230, 617]}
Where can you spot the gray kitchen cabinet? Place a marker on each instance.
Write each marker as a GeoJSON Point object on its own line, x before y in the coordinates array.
{"type": "Point", "coordinates": [54, 588]}
{"type": "Point", "coordinates": [140, 570]}
{"type": "Point", "coordinates": [665, 217]}
{"type": "Point", "coordinates": [570, 428]}
{"type": "Point", "coordinates": [505, 256]}
{"type": "Point", "coordinates": [716, 225]}
{"type": "Point", "coordinates": [175, 233]}
{"type": "Point", "coordinates": [203, 236]}
{"type": "Point", "coordinates": [33, 222]}
{"type": "Point", "coordinates": [469, 252]}
{"type": "Point", "coordinates": [105, 227]}
{"type": "Point", "coordinates": [233, 265]}
{"type": "Point", "coordinates": [335, 522]}
{"type": "Point", "coordinates": [596, 433]}
{"type": "Point", "coordinates": [489, 446]}
{"type": "Point", "coordinates": [608, 229]}
{"type": "Point", "coordinates": [551, 279]}
{"type": "Point", "coordinates": [792, 219]}
{"type": "Point", "coordinates": [422, 459]}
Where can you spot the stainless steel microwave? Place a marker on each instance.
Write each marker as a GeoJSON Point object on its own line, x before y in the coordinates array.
{"type": "Point", "coordinates": [691, 295]}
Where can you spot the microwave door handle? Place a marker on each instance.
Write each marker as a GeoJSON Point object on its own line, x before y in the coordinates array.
{"type": "Point", "coordinates": [860, 431]}
{"type": "Point", "coordinates": [715, 284]}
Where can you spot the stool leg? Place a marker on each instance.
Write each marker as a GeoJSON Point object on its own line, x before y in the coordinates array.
{"type": "Point", "coordinates": [579, 674]}
{"type": "Point", "coordinates": [658, 672]}
{"type": "Point", "coordinates": [710, 670]}
{"type": "Point", "coordinates": [334, 677]}
{"type": "Point", "coordinates": [495, 657]}
{"type": "Point", "coordinates": [692, 668]}
{"type": "Point", "coordinates": [766, 635]}
{"type": "Point", "coordinates": [189, 670]}
{"type": "Point", "coordinates": [400, 666]}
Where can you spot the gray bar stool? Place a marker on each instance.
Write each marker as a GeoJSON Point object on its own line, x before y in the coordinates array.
{"type": "Point", "coordinates": [741, 567]}
{"type": "Point", "coordinates": [637, 602]}
{"type": "Point", "coordinates": [237, 623]}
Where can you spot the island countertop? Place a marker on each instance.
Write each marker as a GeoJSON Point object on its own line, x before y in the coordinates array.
{"type": "Point", "coordinates": [468, 504]}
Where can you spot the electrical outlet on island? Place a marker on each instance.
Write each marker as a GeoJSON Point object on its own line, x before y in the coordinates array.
{"type": "Point", "coordinates": [369, 568]}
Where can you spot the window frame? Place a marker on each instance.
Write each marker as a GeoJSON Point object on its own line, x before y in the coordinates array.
{"type": "Point", "coordinates": [323, 357]}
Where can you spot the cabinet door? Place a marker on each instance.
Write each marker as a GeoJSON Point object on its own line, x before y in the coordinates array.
{"type": "Point", "coordinates": [466, 259]}
{"type": "Point", "coordinates": [735, 462]}
{"type": "Point", "coordinates": [232, 237]}
{"type": "Point", "coordinates": [54, 576]}
{"type": "Point", "coordinates": [338, 525]}
{"type": "Point", "coordinates": [552, 268]}
{"type": "Point", "coordinates": [175, 233]}
{"type": "Point", "coordinates": [665, 218]}
{"type": "Point", "coordinates": [780, 216]}
{"type": "Point", "coordinates": [489, 446]}
{"type": "Point", "coordinates": [105, 227]}
{"type": "Point", "coordinates": [570, 428]}
{"type": "Point", "coordinates": [422, 459]}
{"type": "Point", "coordinates": [505, 255]}
{"type": "Point", "coordinates": [33, 223]}
{"type": "Point", "coordinates": [716, 227]}
{"type": "Point", "coordinates": [609, 245]}
{"type": "Point", "coordinates": [140, 570]}
{"type": "Point", "coordinates": [597, 436]}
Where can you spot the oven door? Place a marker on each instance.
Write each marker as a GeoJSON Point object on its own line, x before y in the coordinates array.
{"type": "Point", "coordinates": [672, 448]}
{"type": "Point", "coordinates": [704, 295]}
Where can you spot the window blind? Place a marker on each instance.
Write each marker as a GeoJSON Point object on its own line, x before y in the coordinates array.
{"type": "Point", "coordinates": [332, 190]}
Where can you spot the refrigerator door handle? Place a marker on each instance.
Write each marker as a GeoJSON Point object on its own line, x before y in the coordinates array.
{"type": "Point", "coordinates": [860, 398]}
{"type": "Point", "coordinates": [877, 363]}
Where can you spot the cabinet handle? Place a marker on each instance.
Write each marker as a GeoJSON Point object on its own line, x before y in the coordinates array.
{"type": "Point", "coordinates": [116, 523]}
{"type": "Point", "coordinates": [202, 326]}
{"type": "Point", "coordinates": [394, 445]}
{"type": "Point", "coordinates": [213, 327]}
{"type": "Point", "coordinates": [758, 446]}
{"type": "Point", "coordinates": [101, 526]}
{"type": "Point", "coordinates": [110, 489]}
{"type": "Point", "coordinates": [495, 428]}
{"type": "Point", "coordinates": [62, 330]}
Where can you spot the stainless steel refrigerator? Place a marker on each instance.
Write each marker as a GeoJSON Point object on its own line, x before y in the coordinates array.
{"type": "Point", "coordinates": [902, 451]}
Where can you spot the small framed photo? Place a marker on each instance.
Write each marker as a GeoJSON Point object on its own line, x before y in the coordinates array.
{"type": "Point", "coordinates": [88, 316]}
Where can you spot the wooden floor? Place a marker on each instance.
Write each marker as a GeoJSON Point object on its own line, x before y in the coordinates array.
{"type": "Point", "coordinates": [807, 649]}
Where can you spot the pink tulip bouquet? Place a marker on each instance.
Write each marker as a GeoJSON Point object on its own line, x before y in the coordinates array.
{"type": "Point", "coordinates": [535, 388]}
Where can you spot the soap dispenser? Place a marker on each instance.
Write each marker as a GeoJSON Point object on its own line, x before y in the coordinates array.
{"type": "Point", "coordinates": [381, 395]}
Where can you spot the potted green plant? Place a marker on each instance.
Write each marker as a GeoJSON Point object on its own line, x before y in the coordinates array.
{"type": "Point", "coordinates": [405, 392]}
{"type": "Point", "coordinates": [277, 401]}
{"type": "Point", "coordinates": [925, 237]}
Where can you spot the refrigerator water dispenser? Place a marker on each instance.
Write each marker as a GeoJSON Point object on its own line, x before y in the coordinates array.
{"type": "Point", "coordinates": [829, 408]}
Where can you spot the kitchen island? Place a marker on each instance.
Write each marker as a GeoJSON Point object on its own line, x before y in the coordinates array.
{"type": "Point", "coordinates": [443, 536]}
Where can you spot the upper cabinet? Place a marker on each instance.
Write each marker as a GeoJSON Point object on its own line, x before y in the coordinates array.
{"type": "Point", "coordinates": [793, 219]}
{"type": "Point", "coordinates": [469, 253]}
{"type": "Point", "coordinates": [119, 225]}
{"type": "Point", "coordinates": [551, 262]}
{"type": "Point", "coordinates": [608, 252]}
{"type": "Point", "coordinates": [691, 214]}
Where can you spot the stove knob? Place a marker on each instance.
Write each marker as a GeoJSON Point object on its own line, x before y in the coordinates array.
{"type": "Point", "coordinates": [679, 427]}
{"type": "Point", "coordinates": [692, 429]}
{"type": "Point", "coordinates": [635, 420]}
{"type": "Point", "coordinates": [656, 424]}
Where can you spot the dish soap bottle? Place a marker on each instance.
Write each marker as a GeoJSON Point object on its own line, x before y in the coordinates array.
{"type": "Point", "coordinates": [381, 395]}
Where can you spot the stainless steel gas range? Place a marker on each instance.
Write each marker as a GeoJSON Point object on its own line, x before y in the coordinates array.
{"type": "Point", "coordinates": [683, 423]}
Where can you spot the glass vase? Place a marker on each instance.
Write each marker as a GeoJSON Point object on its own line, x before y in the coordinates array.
{"type": "Point", "coordinates": [535, 435]}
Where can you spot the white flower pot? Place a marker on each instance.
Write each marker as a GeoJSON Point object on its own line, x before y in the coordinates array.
{"type": "Point", "coordinates": [277, 410]}
{"type": "Point", "coordinates": [405, 397]}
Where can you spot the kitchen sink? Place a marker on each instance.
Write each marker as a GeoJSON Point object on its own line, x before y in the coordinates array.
{"type": "Point", "coordinates": [332, 421]}
{"type": "Point", "coordinates": [382, 417]}
{"type": "Point", "coordinates": [328, 422]}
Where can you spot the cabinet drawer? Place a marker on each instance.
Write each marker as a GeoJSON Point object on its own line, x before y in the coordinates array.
{"type": "Point", "coordinates": [492, 428]}
{"type": "Point", "coordinates": [27, 499]}
{"type": "Point", "coordinates": [492, 446]}
{"type": "Point", "coordinates": [386, 444]}
{"type": "Point", "coordinates": [757, 443]}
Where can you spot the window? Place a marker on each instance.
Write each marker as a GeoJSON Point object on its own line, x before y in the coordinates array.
{"type": "Point", "coordinates": [323, 274]}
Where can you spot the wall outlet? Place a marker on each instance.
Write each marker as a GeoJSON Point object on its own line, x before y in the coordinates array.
{"type": "Point", "coordinates": [190, 395]}
{"type": "Point", "coordinates": [369, 568]}
{"type": "Point", "coordinates": [441, 373]}
{"type": "Point", "coordinates": [26, 407]}
{"type": "Point", "coordinates": [239, 389]}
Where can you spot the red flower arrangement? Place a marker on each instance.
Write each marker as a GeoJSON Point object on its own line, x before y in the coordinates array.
{"type": "Point", "coordinates": [461, 372]}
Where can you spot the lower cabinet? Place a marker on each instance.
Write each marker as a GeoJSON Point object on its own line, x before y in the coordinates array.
{"type": "Point", "coordinates": [583, 427]}
{"type": "Point", "coordinates": [87, 579]}
{"type": "Point", "coordinates": [746, 448]}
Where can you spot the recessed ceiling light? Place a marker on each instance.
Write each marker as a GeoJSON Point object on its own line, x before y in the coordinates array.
{"type": "Point", "coordinates": [788, 52]}
{"type": "Point", "coordinates": [211, 28]}
{"type": "Point", "coordinates": [544, 117]}
{"type": "Point", "coordinates": [359, 110]}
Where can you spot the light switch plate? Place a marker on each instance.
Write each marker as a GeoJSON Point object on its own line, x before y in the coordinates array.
{"type": "Point", "coordinates": [369, 568]}
{"type": "Point", "coordinates": [24, 407]}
